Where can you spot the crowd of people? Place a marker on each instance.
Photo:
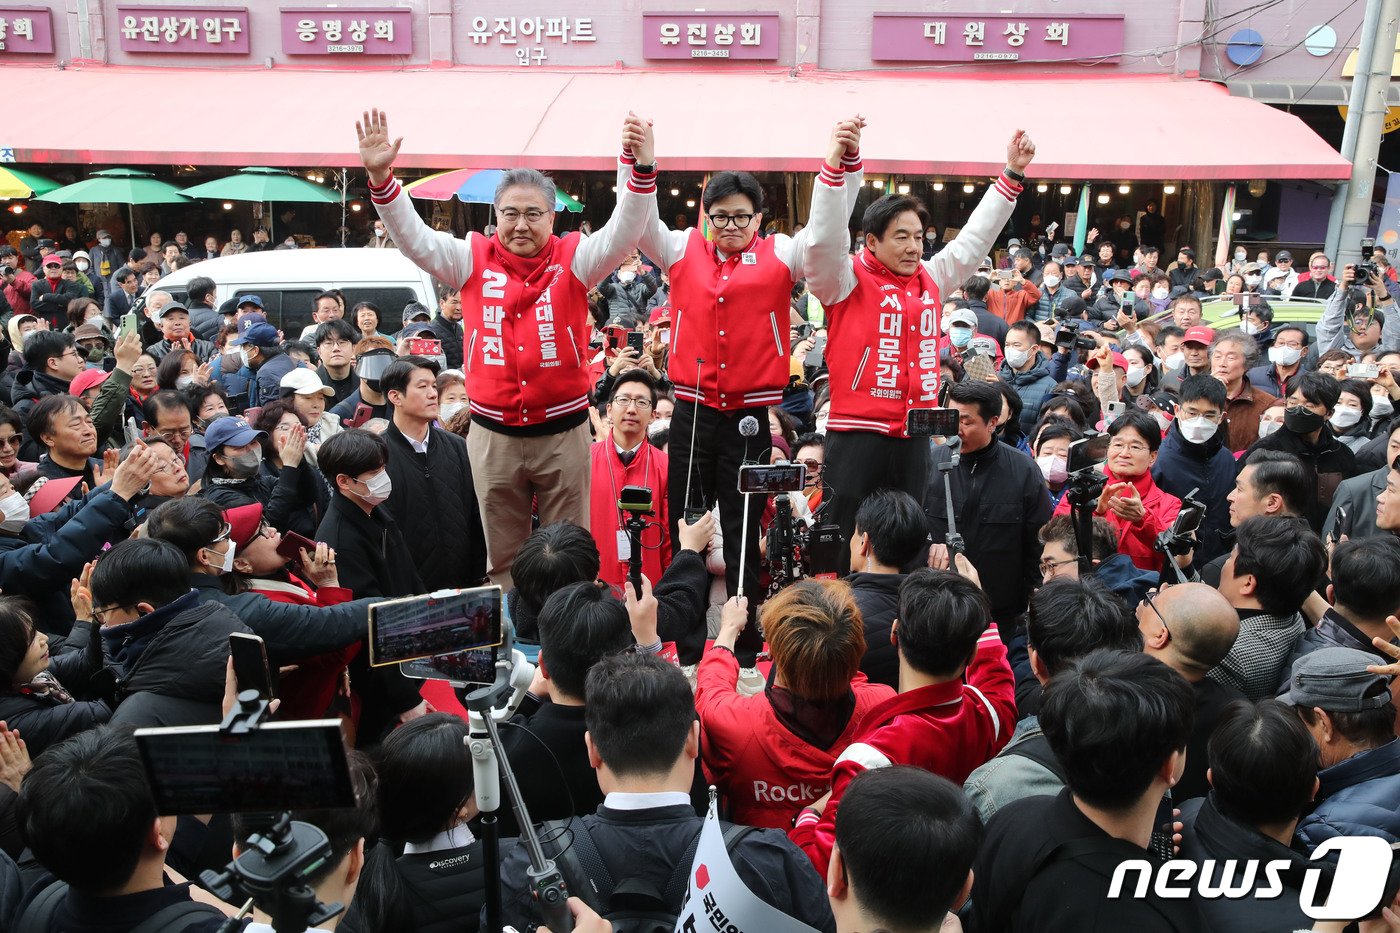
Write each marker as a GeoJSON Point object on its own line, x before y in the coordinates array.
{"type": "Point", "coordinates": [1140, 603]}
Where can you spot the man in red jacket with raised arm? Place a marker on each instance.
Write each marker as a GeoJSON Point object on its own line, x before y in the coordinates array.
{"type": "Point", "coordinates": [525, 329]}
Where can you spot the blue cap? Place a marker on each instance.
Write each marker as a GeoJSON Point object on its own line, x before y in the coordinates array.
{"type": "Point", "coordinates": [231, 430]}
{"type": "Point", "coordinates": [416, 329]}
{"type": "Point", "coordinates": [249, 319]}
{"type": "Point", "coordinates": [259, 335]}
{"type": "Point", "coordinates": [250, 300]}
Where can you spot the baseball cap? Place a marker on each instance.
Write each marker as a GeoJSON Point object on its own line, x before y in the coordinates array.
{"type": "Point", "coordinates": [249, 319]}
{"type": "Point", "coordinates": [1013, 243]}
{"type": "Point", "coordinates": [102, 233]}
{"type": "Point", "coordinates": [1059, 249]}
{"type": "Point", "coordinates": [1213, 275]}
{"type": "Point", "coordinates": [1200, 334]}
{"type": "Point", "coordinates": [661, 314]}
{"type": "Point", "coordinates": [231, 430]}
{"type": "Point", "coordinates": [1069, 260]}
{"type": "Point", "coordinates": [86, 380]}
{"type": "Point", "coordinates": [416, 329]}
{"type": "Point", "coordinates": [416, 309]}
{"type": "Point", "coordinates": [53, 259]}
{"type": "Point", "coordinates": [304, 381]}
{"type": "Point", "coordinates": [985, 264]}
{"type": "Point", "coordinates": [1119, 362]}
{"type": "Point", "coordinates": [46, 243]}
{"type": "Point", "coordinates": [173, 307]}
{"type": "Point", "coordinates": [1252, 268]}
{"type": "Point", "coordinates": [963, 316]}
{"type": "Point", "coordinates": [244, 522]}
{"type": "Point", "coordinates": [1283, 254]}
{"type": "Point", "coordinates": [259, 335]}
{"type": "Point", "coordinates": [51, 494]}
{"type": "Point", "coordinates": [253, 300]}
{"type": "Point", "coordinates": [1118, 275]}
{"type": "Point", "coordinates": [1336, 679]}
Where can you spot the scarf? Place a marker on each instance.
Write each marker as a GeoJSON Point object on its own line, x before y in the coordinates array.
{"type": "Point", "coordinates": [528, 271]}
{"type": "Point", "coordinates": [819, 723]}
{"type": "Point", "coordinates": [46, 684]}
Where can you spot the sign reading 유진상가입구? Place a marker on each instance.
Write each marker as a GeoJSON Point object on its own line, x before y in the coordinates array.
{"type": "Point", "coordinates": [25, 30]}
{"type": "Point", "coordinates": [976, 37]}
{"type": "Point", "coordinates": [192, 30]}
{"type": "Point", "coordinates": [347, 31]}
{"type": "Point", "coordinates": [698, 36]}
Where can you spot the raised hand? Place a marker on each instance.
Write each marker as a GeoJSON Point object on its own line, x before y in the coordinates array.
{"type": "Point", "coordinates": [320, 566]}
{"type": "Point", "coordinates": [642, 612]}
{"type": "Point", "coordinates": [135, 472]}
{"type": "Point", "coordinates": [102, 475]}
{"type": "Point", "coordinates": [845, 140]}
{"type": "Point", "coordinates": [637, 136]}
{"type": "Point", "coordinates": [80, 593]}
{"type": "Point", "coordinates": [1020, 151]}
{"type": "Point", "coordinates": [14, 758]}
{"type": "Point", "coordinates": [295, 447]}
{"type": "Point", "coordinates": [376, 151]}
{"type": "Point", "coordinates": [128, 351]}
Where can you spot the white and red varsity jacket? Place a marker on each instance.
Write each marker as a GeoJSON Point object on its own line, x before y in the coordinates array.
{"type": "Point", "coordinates": [525, 321]}
{"type": "Point", "coordinates": [884, 333]}
{"type": "Point", "coordinates": [732, 312]}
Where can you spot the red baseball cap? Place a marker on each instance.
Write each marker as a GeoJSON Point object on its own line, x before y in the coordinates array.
{"type": "Point", "coordinates": [660, 314]}
{"type": "Point", "coordinates": [86, 380]}
{"type": "Point", "coordinates": [51, 494]}
{"type": "Point", "coordinates": [1200, 334]}
{"type": "Point", "coordinates": [244, 522]}
{"type": "Point", "coordinates": [1119, 362]}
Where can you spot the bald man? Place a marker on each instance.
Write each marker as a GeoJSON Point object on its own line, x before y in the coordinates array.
{"type": "Point", "coordinates": [1190, 628]}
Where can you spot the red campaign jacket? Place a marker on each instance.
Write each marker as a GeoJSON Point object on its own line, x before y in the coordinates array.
{"type": "Point", "coordinates": [536, 327]}
{"type": "Point", "coordinates": [764, 771]}
{"type": "Point", "coordinates": [1139, 541]}
{"type": "Point", "coordinates": [883, 349]}
{"type": "Point", "coordinates": [949, 729]}
{"type": "Point", "coordinates": [648, 468]}
{"type": "Point", "coordinates": [733, 314]}
{"type": "Point", "coordinates": [307, 692]}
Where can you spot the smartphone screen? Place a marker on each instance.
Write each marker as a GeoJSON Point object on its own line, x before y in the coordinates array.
{"type": "Point", "coordinates": [438, 623]}
{"type": "Point", "coordinates": [462, 668]}
{"type": "Point", "coordinates": [250, 667]}
{"type": "Point", "coordinates": [780, 477]}
{"type": "Point", "coordinates": [1088, 452]}
{"type": "Point", "coordinates": [932, 422]}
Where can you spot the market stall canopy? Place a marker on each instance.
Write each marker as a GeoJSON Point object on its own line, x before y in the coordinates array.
{"type": "Point", "coordinates": [117, 186]}
{"type": "Point", "coordinates": [920, 122]}
{"type": "Point", "coordinates": [16, 183]}
{"type": "Point", "coordinates": [473, 187]}
{"type": "Point", "coordinates": [262, 184]}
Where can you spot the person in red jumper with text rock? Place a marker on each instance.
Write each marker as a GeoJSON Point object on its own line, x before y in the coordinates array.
{"type": "Point", "coordinates": [525, 329]}
{"type": "Point", "coordinates": [624, 457]}
{"type": "Point", "coordinates": [956, 706]}
{"type": "Point", "coordinates": [730, 358]}
{"type": "Point", "coordinates": [883, 306]}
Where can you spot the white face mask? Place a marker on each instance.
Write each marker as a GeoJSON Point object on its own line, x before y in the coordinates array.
{"type": "Point", "coordinates": [105, 241]}
{"type": "Point", "coordinates": [1053, 467]}
{"type": "Point", "coordinates": [1175, 361]}
{"type": "Point", "coordinates": [1345, 416]}
{"type": "Point", "coordinates": [626, 276]}
{"type": "Point", "coordinates": [184, 381]}
{"type": "Point", "coordinates": [1381, 406]}
{"type": "Point", "coordinates": [1240, 256]}
{"type": "Point", "coordinates": [449, 411]}
{"type": "Point", "coordinates": [380, 231]}
{"type": "Point", "coordinates": [1249, 327]}
{"type": "Point", "coordinates": [1269, 427]}
{"type": "Point", "coordinates": [15, 508]}
{"type": "Point", "coordinates": [1284, 356]}
{"type": "Point", "coordinates": [1160, 293]}
{"type": "Point", "coordinates": [243, 357]}
{"type": "Point", "coordinates": [1017, 358]}
{"type": "Point", "coordinates": [226, 559]}
{"type": "Point", "coordinates": [380, 486]}
{"type": "Point", "coordinates": [1051, 281]}
{"type": "Point", "coordinates": [1136, 375]}
{"type": "Point", "coordinates": [82, 265]}
{"type": "Point", "coordinates": [1198, 430]}
{"type": "Point", "coordinates": [1251, 280]}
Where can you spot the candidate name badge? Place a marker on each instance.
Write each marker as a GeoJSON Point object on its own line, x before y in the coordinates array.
{"type": "Point", "coordinates": [749, 259]}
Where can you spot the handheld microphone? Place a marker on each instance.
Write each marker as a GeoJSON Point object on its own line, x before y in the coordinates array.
{"type": "Point", "coordinates": [748, 427]}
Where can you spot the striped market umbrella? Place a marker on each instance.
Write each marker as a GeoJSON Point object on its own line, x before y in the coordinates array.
{"type": "Point", "coordinates": [472, 186]}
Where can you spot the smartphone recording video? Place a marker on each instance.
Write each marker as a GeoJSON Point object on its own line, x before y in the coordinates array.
{"type": "Point", "coordinates": [931, 422]}
{"type": "Point", "coordinates": [779, 477]}
{"type": "Point", "coordinates": [438, 623]}
{"type": "Point", "coordinates": [1088, 452]}
{"type": "Point", "coordinates": [460, 669]}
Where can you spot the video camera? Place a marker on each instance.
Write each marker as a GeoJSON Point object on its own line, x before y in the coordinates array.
{"type": "Point", "coordinates": [1067, 337]}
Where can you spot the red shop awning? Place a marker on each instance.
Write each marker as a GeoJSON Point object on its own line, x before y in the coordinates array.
{"type": "Point", "coordinates": [1111, 127]}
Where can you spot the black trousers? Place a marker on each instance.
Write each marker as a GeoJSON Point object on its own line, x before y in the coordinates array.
{"type": "Point", "coordinates": [719, 452]}
{"type": "Point", "coordinates": [859, 463]}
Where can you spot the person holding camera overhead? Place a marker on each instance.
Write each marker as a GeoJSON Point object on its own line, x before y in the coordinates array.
{"type": "Point", "coordinates": [883, 313]}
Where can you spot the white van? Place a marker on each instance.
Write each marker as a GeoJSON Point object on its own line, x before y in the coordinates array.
{"type": "Point", "coordinates": [288, 281]}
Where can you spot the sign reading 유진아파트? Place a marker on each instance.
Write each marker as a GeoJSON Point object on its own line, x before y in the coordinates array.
{"type": "Point", "coordinates": [347, 31]}
{"type": "Point", "coordinates": [977, 37]}
{"type": "Point", "coordinates": [695, 36]}
{"type": "Point", "coordinates": [193, 30]}
{"type": "Point", "coordinates": [529, 36]}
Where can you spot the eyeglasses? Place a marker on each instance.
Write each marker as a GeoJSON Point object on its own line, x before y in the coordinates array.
{"type": "Point", "coordinates": [224, 534]}
{"type": "Point", "coordinates": [1211, 416]}
{"type": "Point", "coordinates": [513, 216]}
{"type": "Point", "coordinates": [14, 440]}
{"type": "Point", "coordinates": [1319, 268]}
{"type": "Point", "coordinates": [1150, 601]}
{"type": "Point", "coordinates": [143, 370]}
{"type": "Point", "coordinates": [99, 615]}
{"type": "Point", "coordinates": [737, 221]}
{"type": "Point", "coordinates": [814, 467]}
{"type": "Point", "coordinates": [76, 355]}
{"type": "Point", "coordinates": [1133, 448]}
{"type": "Point", "coordinates": [1046, 566]}
{"type": "Point", "coordinates": [624, 401]}
{"type": "Point", "coordinates": [176, 435]}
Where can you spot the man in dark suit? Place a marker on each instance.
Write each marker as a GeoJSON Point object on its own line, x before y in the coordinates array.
{"type": "Point", "coordinates": [119, 299]}
{"type": "Point", "coordinates": [1353, 511]}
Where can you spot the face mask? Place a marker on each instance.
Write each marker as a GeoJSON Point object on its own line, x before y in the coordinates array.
{"type": "Point", "coordinates": [245, 464]}
{"type": "Point", "coordinates": [1284, 356]}
{"type": "Point", "coordinates": [1240, 256]}
{"type": "Point", "coordinates": [1251, 280]}
{"type": "Point", "coordinates": [1053, 467]}
{"type": "Point", "coordinates": [626, 276]}
{"type": "Point", "coordinates": [1136, 375]}
{"type": "Point", "coordinates": [1051, 281]}
{"type": "Point", "coordinates": [1268, 427]}
{"type": "Point", "coordinates": [449, 411]}
{"type": "Point", "coordinates": [1249, 327]}
{"type": "Point", "coordinates": [105, 241]}
{"type": "Point", "coordinates": [961, 336]}
{"type": "Point", "coordinates": [1381, 406]}
{"type": "Point", "coordinates": [14, 508]}
{"type": "Point", "coordinates": [379, 486]}
{"type": "Point", "coordinates": [930, 237]}
{"type": "Point", "coordinates": [82, 265]}
{"type": "Point", "coordinates": [1198, 430]}
{"type": "Point", "coordinates": [182, 382]}
{"type": "Point", "coordinates": [380, 231]}
{"type": "Point", "coordinates": [373, 386]}
{"type": "Point", "coordinates": [96, 355]}
{"type": "Point", "coordinates": [1163, 421]}
{"type": "Point", "coordinates": [1160, 293]}
{"type": "Point", "coordinates": [226, 559]}
{"type": "Point", "coordinates": [1301, 420]}
{"type": "Point", "coordinates": [1017, 358]}
{"type": "Point", "coordinates": [243, 358]}
{"type": "Point", "coordinates": [1175, 361]}
{"type": "Point", "coordinates": [1345, 416]}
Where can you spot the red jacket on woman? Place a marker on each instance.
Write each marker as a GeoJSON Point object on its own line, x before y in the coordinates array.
{"type": "Point", "coordinates": [1139, 540]}
{"type": "Point", "coordinates": [308, 691]}
{"type": "Point", "coordinates": [766, 772]}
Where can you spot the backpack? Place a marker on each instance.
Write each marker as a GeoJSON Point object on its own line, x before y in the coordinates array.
{"type": "Point", "coordinates": [632, 906]}
{"type": "Point", "coordinates": [38, 916]}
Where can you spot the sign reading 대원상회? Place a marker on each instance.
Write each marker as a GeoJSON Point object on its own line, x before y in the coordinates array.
{"type": "Point", "coordinates": [977, 37]}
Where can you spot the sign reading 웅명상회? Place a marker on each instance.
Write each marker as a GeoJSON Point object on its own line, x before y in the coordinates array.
{"type": "Point", "coordinates": [976, 37]}
{"type": "Point", "coordinates": [347, 30]}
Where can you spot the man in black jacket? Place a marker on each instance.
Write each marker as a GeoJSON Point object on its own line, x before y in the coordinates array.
{"type": "Point", "coordinates": [999, 500]}
{"type": "Point", "coordinates": [205, 319]}
{"type": "Point", "coordinates": [643, 740]}
{"type": "Point", "coordinates": [49, 296]}
{"type": "Point", "coordinates": [447, 326]}
{"type": "Point", "coordinates": [166, 648]}
{"type": "Point", "coordinates": [434, 501]}
{"type": "Point", "coordinates": [890, 532]}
